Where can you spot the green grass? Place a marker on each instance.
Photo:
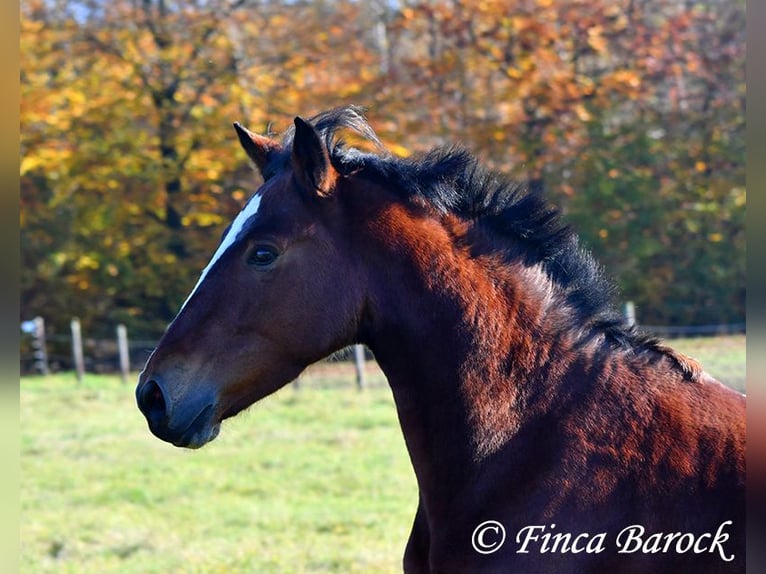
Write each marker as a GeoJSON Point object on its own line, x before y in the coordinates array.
{"type": "Point", "coordinates": [311, 481]}
{"type": "Point", "coordinates": [723, 357]}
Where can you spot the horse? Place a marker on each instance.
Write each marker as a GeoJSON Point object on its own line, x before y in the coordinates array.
{"type": "Point", "coordinates": [546, 433]}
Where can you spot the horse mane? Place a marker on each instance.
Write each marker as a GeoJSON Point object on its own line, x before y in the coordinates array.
{"type": "Point", "coordinates": [451, 180]}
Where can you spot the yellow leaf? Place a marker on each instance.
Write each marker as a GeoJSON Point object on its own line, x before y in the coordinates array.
{"type": "Point", "coordinates": [582, 113]}
{"type": "Point", "coordinates": [597, 43]}
{"type": "Point", "coordinates": [628, 77]}
{"type": "Point", "coordinates": [596, 39]}
{"type": "Point", "coordinates": [123, 248]}
{"type": "Point", "coordinates": [399, 150]}
{"type": "Point", "coordinates": [86, 262]}
{"type": "Point", "coordinates": [208, 219]}
{"type": "Point", "coordinates": [740, 196]}
{"type": "Point", "coordinates": [29, 163]}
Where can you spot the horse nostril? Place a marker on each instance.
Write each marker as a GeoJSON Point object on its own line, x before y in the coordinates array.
{"type": "Point", "coordinates": [151, 401]}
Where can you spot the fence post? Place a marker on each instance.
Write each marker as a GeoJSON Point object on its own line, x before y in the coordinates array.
{"type": "Point", "coordinates": [630, 312]}
{"type": "Point", "coordinates": [38, 346]}
{"type": "Point", "coordinates": [122, 346]}
{"type": "Point", "coordinates": [79, 361]}
{"type": "Point", "coordinates": [359, 364]}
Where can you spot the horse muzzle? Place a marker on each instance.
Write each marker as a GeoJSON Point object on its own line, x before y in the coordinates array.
{"type": "Point", "coordinates": [185, 422]}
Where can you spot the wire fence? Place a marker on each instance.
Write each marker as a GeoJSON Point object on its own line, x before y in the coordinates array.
{"type": "Point", "coordinates": [45, 353]}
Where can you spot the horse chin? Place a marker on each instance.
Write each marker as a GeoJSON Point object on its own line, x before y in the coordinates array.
{"type": "Point", "coordinates": [199, 438]}
{"type": "Point", "coordinates": [246, 396]}
{"type": "Point", "coordinates": [203, 429]}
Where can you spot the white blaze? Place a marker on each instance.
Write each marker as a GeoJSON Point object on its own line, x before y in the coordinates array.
{"type": "Point", "coordinates": [250, 209]}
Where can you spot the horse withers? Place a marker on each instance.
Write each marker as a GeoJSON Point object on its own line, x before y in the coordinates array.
{"type": "Point", "coordinates": [546, 433]}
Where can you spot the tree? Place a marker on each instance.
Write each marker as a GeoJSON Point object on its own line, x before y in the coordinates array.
{"type": "Point", "coordinates": [629, 114]}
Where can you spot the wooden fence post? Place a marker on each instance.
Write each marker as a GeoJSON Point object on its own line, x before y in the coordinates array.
{"type": "Point", "coordinates": [630, 312]}
{"type": "Point", "coordinates": [38, 346]}
{"type": "Point", "coordinates": [122, 346]}
{"type": "Point", "coordinates": [79, 360]}
{"type": "Point", "coordinates": [359, 363]}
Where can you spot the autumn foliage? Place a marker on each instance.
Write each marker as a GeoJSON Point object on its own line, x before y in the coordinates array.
{"type": "Point", "coordinates": [629, 113]}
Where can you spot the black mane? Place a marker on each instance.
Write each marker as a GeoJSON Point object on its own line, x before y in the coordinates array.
{"type": "Point", "coordinates": [451, 180]}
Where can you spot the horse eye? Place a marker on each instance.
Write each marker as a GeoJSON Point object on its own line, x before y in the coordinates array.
{"type": "Point", "coordinates": [262, 256]}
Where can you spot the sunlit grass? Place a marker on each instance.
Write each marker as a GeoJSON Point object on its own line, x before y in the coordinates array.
{"type": "Point", "coordinates": [316, 480]}
{"type": "Point", "coordinates": [723, 357]}
{"type": "Point", "coordinates": [309, 481]}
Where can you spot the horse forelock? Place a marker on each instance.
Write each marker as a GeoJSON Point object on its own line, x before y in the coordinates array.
{"type": "Point", "coordinates": [330, 122]}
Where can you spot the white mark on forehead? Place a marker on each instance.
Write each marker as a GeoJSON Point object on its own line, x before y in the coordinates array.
{"type": "Point", "coordinates": [249, 211]}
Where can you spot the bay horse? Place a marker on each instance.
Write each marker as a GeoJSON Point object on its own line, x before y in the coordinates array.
{"type": "Point", "coordinates": [546, 433]}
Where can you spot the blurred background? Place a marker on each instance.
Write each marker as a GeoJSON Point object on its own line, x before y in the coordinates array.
{"type": "Point", "coordinates": [630, 114]}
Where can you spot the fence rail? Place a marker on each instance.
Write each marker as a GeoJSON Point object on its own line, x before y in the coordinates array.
{"type": "Point", "coordinates": [695, 331]}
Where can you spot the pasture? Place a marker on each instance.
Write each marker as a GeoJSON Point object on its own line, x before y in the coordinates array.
{"type": "Point", "coordinates": [315, 480]}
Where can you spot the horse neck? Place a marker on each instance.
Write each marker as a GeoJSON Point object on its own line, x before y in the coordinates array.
{"type": "Point", "coordinates": [458, 338]}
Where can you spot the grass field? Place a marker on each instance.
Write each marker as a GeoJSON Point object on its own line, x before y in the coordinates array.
{"type": "Point", "coordinates": [316, 480]}
{"type": "Point", "coordinates": [722, 357]}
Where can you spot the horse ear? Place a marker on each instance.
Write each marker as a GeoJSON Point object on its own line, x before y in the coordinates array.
{"type": "Point", "coordinates": [311, 160]}
{"type": "Point", "coordinates": [259, 149]}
